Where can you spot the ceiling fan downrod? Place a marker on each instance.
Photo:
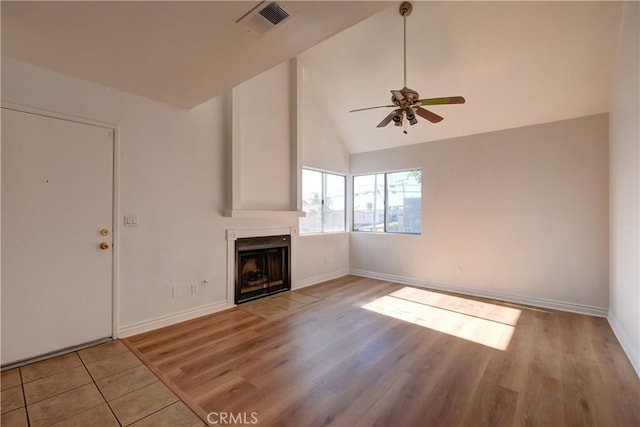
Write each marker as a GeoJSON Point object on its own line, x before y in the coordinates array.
{"type": "Point", "coordinates": [405, 10]}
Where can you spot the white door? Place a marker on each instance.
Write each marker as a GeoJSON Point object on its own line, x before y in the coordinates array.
{"type": "Point", "coordinates": [57, 197]}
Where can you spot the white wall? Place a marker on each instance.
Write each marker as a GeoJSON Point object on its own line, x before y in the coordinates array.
{"type": "Point", "coordinates": [321, 256]}
{"type": "Point", "coordinates": [520, 214]}
{"type": "Point", "coordinates": [172, 174]}
{"type": "Point", "coordinates": [321, 147]}
{"type": "Point", "coordinates": [263, 133]}
{"type": "Point", "coordinates": [624, 293]}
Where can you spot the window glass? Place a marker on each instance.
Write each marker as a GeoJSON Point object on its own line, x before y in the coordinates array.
{"type": "Point", "coordinates": [368, 202]}
{"type": "Point", "coordinates": [324, 201]}
{"type": "Point", "coordinates": [311, 201]}
{"type": "Point", "coordinates": [388, 202]}
{"type": "Point", "coordinates": [334, 203]}
{"type": "Point", "coordinates": [404, 202]}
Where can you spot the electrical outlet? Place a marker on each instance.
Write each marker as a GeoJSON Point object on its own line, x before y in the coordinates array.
{"type": "Point", "coordinates": [176, 291]}
{"type": "Point", "coordinates": [194, 288]}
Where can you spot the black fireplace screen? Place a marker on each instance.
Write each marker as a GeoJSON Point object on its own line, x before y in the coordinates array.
{"type": "Point", "coordinates": [262, 267]}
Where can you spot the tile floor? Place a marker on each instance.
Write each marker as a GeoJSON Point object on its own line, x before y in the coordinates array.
{"type": "Point", "coordinates": [103, 386]}
{"type": "Point", "coordinates": [278, 304]}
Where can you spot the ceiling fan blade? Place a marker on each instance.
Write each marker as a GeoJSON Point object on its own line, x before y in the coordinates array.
{"type": "Point", "coordinates": [426, 114]}
{"type": "Point", "coordinates": [398, 95]}
{"type": "Point", "coordinates": [441, 101]}
{"type": "Point", "coordinates": [386, 120]}
{"type": "Point", "coordinates": [371, 108]}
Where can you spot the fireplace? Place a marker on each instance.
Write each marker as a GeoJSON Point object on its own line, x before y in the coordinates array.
{"type": "Point", "coordinates": [263, 267]}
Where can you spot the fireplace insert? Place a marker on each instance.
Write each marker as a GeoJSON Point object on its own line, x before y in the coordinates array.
{"type": "Point", "coordinates": [263, 267]}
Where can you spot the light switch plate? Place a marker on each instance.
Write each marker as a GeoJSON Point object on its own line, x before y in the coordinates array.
{"type": "Point", "coordinates": [131, 220]}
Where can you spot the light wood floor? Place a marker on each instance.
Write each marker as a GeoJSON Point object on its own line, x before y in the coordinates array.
{"type": "Point", "coordinates": [325, 360]}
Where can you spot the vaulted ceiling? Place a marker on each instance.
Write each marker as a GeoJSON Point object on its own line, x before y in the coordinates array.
{"type": "Point", "coordinates": [516, 63]}
{"type": "Point", "coordinates": [178, 52]}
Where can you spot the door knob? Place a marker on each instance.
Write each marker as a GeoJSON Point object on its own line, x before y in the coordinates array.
{"type": "Point", "coordinates": [104, 246]}
{"type": "Point", "coordinates": [104, 232]}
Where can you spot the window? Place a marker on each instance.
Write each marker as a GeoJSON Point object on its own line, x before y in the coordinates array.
{"type": "Point", "coordinates": [368, 203]}
{"type": "Point", "coordinates": [389, 202]}
{"type": "Point", "coordinates": [323, 200]}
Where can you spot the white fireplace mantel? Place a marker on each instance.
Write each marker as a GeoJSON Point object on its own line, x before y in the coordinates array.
{"type": "Point", "coordinates": [251, 213]}
{"type": "Point", "coordinates": [233, 234]}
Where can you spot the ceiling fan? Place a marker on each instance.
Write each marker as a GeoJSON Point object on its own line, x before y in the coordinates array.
{"type": "Point", "coordinates": [406, 101]}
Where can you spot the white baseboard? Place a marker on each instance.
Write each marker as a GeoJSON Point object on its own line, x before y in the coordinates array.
{"type": "Point", "coordinates": [159, 322]}
{"type": "Point", "coordinates": [503, 296]}
{"type": "Point", "coordinates": [319, 279]}
{"type": "Point", "coordinates": [626, 343]}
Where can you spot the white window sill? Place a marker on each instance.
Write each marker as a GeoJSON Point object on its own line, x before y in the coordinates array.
{"type": "Point", "coordinates": [328, 233]}
{"type": "Point", "coordinates": [382, 233]}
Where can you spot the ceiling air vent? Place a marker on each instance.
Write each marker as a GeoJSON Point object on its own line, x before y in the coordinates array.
{"type": "Point", "coordinates": [274, 13]}
{"type": "Point", "coordinates": [265, 17]}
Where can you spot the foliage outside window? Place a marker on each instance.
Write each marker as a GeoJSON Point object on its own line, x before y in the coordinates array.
{"type": "Point", "coordinates": [389, 202]}
{"type": "Point", "coordinates": [323, 200]}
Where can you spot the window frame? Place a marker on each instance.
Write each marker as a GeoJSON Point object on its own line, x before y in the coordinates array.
{"type": "Point", "coordinates": [323, 197]}
{"type": "Point", "coordinates": [386, 203]}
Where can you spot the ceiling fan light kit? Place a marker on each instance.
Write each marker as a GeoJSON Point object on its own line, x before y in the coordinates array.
{"type": "Point", "coordinates": [407, 102]}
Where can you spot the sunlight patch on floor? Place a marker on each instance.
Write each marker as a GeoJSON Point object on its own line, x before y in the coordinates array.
{"type": "Point", "coordinates": [483, 323]}
{"type": "Point", "coordinates": [485, 310]}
